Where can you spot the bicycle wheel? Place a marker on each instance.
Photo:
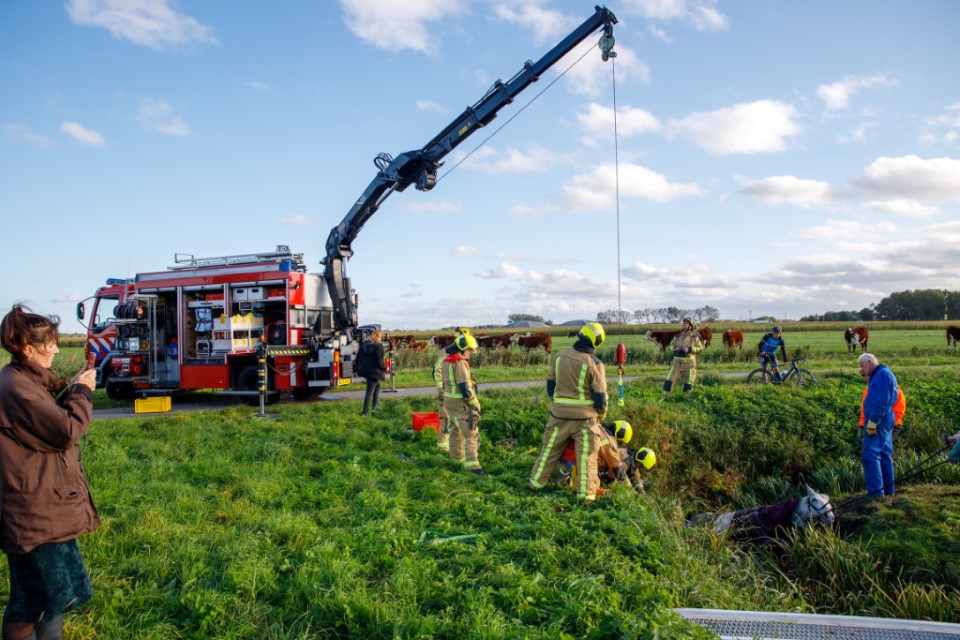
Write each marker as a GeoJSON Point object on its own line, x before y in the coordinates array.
{"type": "Point", "coordinates": [759, 376]}
{"type": "Point", "coordinates": [801, 378]}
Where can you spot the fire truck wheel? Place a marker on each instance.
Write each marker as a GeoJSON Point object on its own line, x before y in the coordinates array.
{"type": "Point", "coordinates": [249, 380]}
{"type": "Point", "coordinates": [306, 393]}
{"type": "Point", "coordinates": [119, 390]}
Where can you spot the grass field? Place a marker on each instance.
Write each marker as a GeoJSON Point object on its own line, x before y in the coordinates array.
{"type": "Point", "coordinates": [318, 523]}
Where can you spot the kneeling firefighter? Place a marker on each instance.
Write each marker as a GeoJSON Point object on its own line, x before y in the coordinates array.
{"type": "Point", "coordinates": [615, 462]}
{"type": "Point", "coordinates": [686, 345]}
{"type": "Point", "coordinates": [577, 386]}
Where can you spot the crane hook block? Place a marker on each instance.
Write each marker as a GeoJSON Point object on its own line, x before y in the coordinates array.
{"type": "Point", "coordinates": [606, 42]}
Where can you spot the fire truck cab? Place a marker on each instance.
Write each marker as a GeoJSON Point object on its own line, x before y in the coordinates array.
{"type": "Point", "coordinates": [204, 324]}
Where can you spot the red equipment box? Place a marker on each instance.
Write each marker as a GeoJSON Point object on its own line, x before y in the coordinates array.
{"type": "Point", "coordinates": [425, 419]}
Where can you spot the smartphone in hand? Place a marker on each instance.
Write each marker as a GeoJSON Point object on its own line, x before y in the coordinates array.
{"type": "Point", "coordinates": [91, 361]}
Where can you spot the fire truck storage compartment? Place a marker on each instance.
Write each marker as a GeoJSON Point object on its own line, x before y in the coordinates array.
{"type": "Point", "coordinates": [203, 305]}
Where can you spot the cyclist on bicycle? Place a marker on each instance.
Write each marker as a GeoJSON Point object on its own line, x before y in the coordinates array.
{"type": "Point", "coordinates": [767, 347]}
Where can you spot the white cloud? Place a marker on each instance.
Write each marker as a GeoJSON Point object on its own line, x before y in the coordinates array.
{"type": "Point", "coordinates": [902, 207]}
{"type": "Point", "coordinates": [912, 177]}
{"type": "Point", "coordinates": [82, 135]}
{"type": "Point", "coordinates": [536, 160]}
{"type": "Point", "coordinates": [689, 276]}
{"type": "Point", "coordinates": [298, 220]}
{"type": "Point", "coordinates": [430, 105]}
{"type": "Point", "coordinates": [701, 14]}
{"type": "Point", "coordinates": [659, 34]}
{"type": "Point", "coordinates": [159, 116]}
{"type": "Point", "coordinates": [599, 120]}
{"type": "Point", "coordinates": [755, 127]}
{"type": "Point", "coordinates": [944, 127]}
{"type": "Point", "coordinates": [148, 23]}
{"type": "Point", "coordinates": [548, 25]}
{"type": "Point", "coordinates": [466, 252]}
{"type": "Point", "coordinates": [395, 26]}
{"type": "Point", "coordinates": [21, 133]}
{"type": "Point", "coordinates": [596, 190]}
{"type": "Point", "coordinates": [259, 87]}
{"type": "Point", "coordinates": [789, 190]}
{"type": "Point", "coordinates": [844, 232]}
{"type": "Point", "coordinates": [837, 95]}
{"type": "Point", "coordinates": [504, 270]}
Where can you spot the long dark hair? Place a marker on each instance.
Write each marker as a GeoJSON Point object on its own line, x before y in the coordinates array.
{"type": "Point", "coordinates": [21, 327]}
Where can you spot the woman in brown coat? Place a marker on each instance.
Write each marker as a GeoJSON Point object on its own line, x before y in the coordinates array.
{"type": "Point", "coordinates": [43, 489]}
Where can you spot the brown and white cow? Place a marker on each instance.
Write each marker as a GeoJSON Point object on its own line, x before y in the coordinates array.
{"type": "Point", "coordinates": [660, 338]}
{"type": "Point", "coordinates": [442, 341]}
{"type": "Point", "coordinates": [732, 338]}
{"type": "Point", "coordinates": [400, 340]}
{"type": "Point", "coordinates": [492, 342]}
{"type": "Point", "coordinates": [856, 336]}
{"type": "Point", "coordinates": [953, 335]}
{"type": "Point", "coordinates": [706, 336]}
{"type": "Point", "coordinates": [533, 341]}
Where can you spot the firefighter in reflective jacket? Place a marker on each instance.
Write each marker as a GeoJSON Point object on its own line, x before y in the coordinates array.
{"type": "Point", "coordinates": [686, 345]}
{"type": "Point", "coordinates": [443, 433]}
{"type": "Point", "coordinates": [577, 386]}
{"type": "Point", "coordinates": [461, 403]}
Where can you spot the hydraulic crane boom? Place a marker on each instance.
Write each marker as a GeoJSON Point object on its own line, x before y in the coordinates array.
{"type": "Point", "coordinates": [420, 166]}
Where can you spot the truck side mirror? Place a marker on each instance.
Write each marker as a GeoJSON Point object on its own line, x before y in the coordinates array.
{"type": "Point", "coordinates": [81, 311]}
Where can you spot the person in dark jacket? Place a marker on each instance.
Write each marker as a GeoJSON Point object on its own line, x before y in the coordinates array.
{"type": "Point", "coordinates": [43, 488]}
{"type": "Point", "coordinates": [371, 365]}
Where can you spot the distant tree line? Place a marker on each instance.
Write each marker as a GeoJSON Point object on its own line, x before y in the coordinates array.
{"type": "Point", "coordinates": [518, 317]}
{"type": "Point", "coordinates": [920, 304]}
{"type": "Point", "coordinates": [650, 315]}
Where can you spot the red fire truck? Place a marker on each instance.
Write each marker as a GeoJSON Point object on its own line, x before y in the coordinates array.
{"type": "Point", "coordinates": [198, 325]}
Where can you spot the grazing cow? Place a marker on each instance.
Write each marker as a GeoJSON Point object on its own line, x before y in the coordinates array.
{"type": "Point", "coordinates": [660, 338]}
{"type": "Point", "coordinates": [574, 334]}
{"type": "Point", "coordinates": [400, 340]}
{"type": "Point", "coordinates": [706, 335]}
{"type": "Point", "coordinates": [763, 525]}
{"type": "Point", "coordinates": [732, 338]}
{"type": "Point", "coordinates": [415, 346]}
{"type": "Point", "coordinates": [533, 341]}
{"type": "Point", "coordinates": [953, 334]}
{"type": "Point", "coordinates": [856, 336]}
{"type": "Point", "coordinates": [492, 342]}
{"type": "Point", "coordinates": [442, 341]}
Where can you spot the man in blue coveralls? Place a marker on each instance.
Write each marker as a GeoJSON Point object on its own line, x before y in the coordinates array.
{"type": "Point", "coordinates": [877, 451]}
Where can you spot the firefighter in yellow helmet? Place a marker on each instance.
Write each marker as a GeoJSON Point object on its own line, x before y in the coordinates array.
{"type": "Point", "coordinates": [617, 461]}
{"type": "Point", "coordinates": [577, 386]}
{"type": "Point", "coordinates": [686, 345]}
{"type": "Point", "coordinates": [461, 403]}
{"type": "Point", "coordinates": [443, 432]}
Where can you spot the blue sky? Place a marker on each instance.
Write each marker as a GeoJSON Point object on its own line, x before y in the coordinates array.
{"type": "Point", "coordinates": [773, 157]}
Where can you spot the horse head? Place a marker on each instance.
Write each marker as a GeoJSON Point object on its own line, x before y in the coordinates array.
{"type": "Point", "coordinates": [814, 507]}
